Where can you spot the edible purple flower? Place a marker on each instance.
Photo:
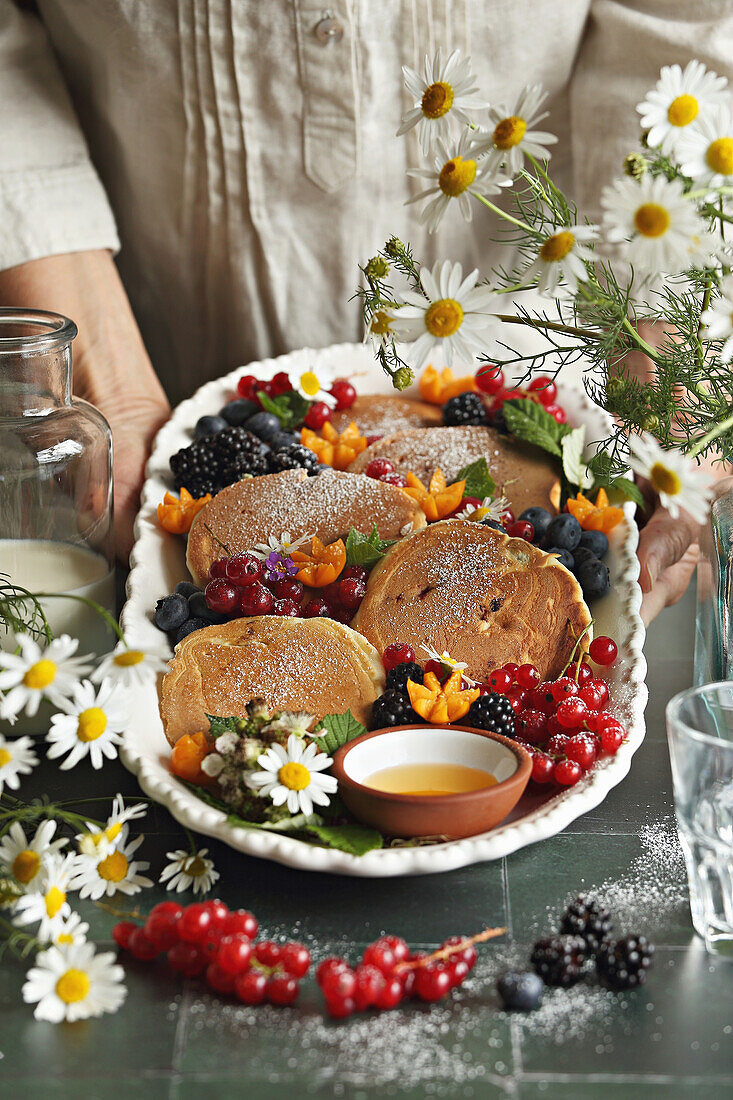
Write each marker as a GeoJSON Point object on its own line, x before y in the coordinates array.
{"type": "Point", "coordinates": [278, 566]}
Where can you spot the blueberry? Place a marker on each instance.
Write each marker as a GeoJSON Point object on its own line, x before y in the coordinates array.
{"type": "Point", "coordinates": [493, 524]}
{"type": "Point", "coordinates": [539, 518]}
{"type": "Point", "coordinates": [199, 609]}
{"type": "Point", "coordinates": [264, 425]}
{"type": "Point", "coordinates": [593, 578]}
{"type": "Point", "coordinates": [188, 628]}
{"type": "Point", "coordinates": [563, 531]}
{"type": "Point", "coordinates": [520, 989]}
{"type": "Point", "coordinates": [563, 556]}
{"type": "Point", "coordinates": [596, 542]}
{"type": "Point", "coordinates": [284, 439]}
{"type": "Point", "coordinates": [581, 554]}
{"type": "Point", "coordinates": [236, 412]}
{"type": "Point", "coordinates": [209, 425]}
{"type": "Point", "coordinates": [171, 612]}
{"type": "Point", "coordinates": [186, 588]}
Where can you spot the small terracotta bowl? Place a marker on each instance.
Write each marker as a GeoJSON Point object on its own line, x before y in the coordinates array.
{"type": "Point", "coordinates": [450, 815]}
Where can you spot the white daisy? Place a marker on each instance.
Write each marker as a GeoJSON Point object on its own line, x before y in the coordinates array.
{"type": "Point", "coordinates": [442, 95]}
{"type": "Point", "coordinates": [91, 725]}
{"type": "Point", "coordinates": [679, 99]}
{"type": "Point", "coordinates": [705, 151]}
{"type": "Point", "coordinates": [448, 662]}
{"type": "Point", "coordinates": [46, 902]}
{"type": "Point", "coordinates": [561, 257]}
{"type": "Point", "coordinates": [512, 135]}
{"type": "Point", "coordinates": [97, 877]}
{"type": "Point", "coordinates": [456, 175]}
{"type": "Point", "coordinates": [311, 387]}
{"type": "Point", "coordinates": [25, 859]}
{"type": "Point", "coordinates": [455, 317]}
{"type": "Point", "coordinates": [298, 722]}
{"type": "Point", "coordinates": [718, 319]}
{"type": "Point", "coordinates": [292, 776]}
{"type": "Point", "coordinates": [212, 765]}
{"type": "Point", "coordinates": [283, 546]}
{"type": "Point", "coordinates": [656, 228]}
{"type": "Point", "coordinates": [379, 330]}
{"type": "Point", "coordinates": [100, 841]}
{"type": "Point", "coordinates": [189, 870]}
{"type": "Point", "coordinates": [489, 508]}
{"type": "Point", "coordinates": [675, 478]}
{"type": "Point", "coordinates": [72, 983]}
{"type": "Point", "coordinates": [70, 931]}
{"type": "Point", "coordinates": [226, 743]}
{"type": "Point", "coordinates": [130, 666]}
{"type": "Point", "coordinates": [35, 674]}
{"type": "Point", "coordinates": [16, 758]}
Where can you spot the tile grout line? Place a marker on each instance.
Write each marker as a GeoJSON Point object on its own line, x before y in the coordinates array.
{"type": "Point", "coordinates": [180, 1036]}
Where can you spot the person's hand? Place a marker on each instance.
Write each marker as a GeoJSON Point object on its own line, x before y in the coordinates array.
{"type": "Point", "coordinates": [668, 551]}
{"type": "Point", "coordinates": [133, 432]}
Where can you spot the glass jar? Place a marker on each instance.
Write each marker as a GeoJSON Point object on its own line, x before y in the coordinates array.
{"type": "Point", "coordinates": [55, 479]}
{"type": "Point", "coordinates": [714, 625]}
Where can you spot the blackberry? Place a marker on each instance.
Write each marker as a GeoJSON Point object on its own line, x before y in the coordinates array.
{"type": "Point", "coordinates": [392, 709]}
{"type": "Point", "coordinates": [398, 676]}
{"type": "Point", "coordinates": [466, 408]}
{"type": "Point", "coordinates": [492, 712]}
{"type": "Point", "coordinates": [559, 959]}
{"type": "Point", "coordinates": [623, 964]}
{"type": "Point", "coordinates": [210, 464]}
{"type": "Point", "coordinates": [295, 457]}
{"type": "Point", "coordinates": [588, 918]}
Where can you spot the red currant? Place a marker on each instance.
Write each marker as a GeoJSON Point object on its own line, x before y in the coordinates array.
{"type": "Point", "coordinates": [295, 959]}
{"type": "Point", "coordinates": [219, 980]}
{"type": "Point", "coordinates": [469, 502]}
{"type": "Point", "coordinates": [603, 650]}
{"type": "Point", "coordinates": [373, 439]}
{"type": "Point", "coordinates": [355, 573]}
{"type": "Point", "coordinates": [251, 987]}
{"type": "Point", "coordinates": [490, 379]}
{"type": "Point", "coordinates": [432, 982]}
{"type": "Point", "coordinates": [466, 953]}
{"type": "Point", "coordinates": [243, 569]}
{"type": "Point", "coordinates": [317, 415]}
{"type": "Point", "coordinates": [247, 386]}
{"type": "Point", "coordinates": [282, 989]}
{"type": "Point", "coordinates": [400, 950]}
{"type": "Point", "coordinates": [532, 726]}
{"type": "Point", "coordinates": [511, 668]}
{"type": "Point", "coordinates": [507, 518]}
{"type": "Point", "coordinates": [219, 912]}
{"type": "Point", "coordinates": [436, 667]}
{"type": "Point", "coordinates": [340, 1007]}
{"type": "Point", "coordinates": [558, 414]}
{"type": "Point", "coordinates": [329, 966]}
{"type": "Point", "coordinates": [612, 738]}
{"type": "Point", "coordinates": [543, 698]}
{"type": "Point", "coordinates": [256, 600]}
{"type": "Point", "coordinates": [141, 946]}
{"type": "Point", "coordinates": [390, 995]}
{"type": "Point", "coordinates": [121, 933]}
{"type": "Point", "coordinates": [218, 569]}
{"type": "Point", "coordinates": [235, 952]}
{"type": "Point", "coordinates": [544, 387]}
{"type": "Point", "coordinates": [600, 687]}
{"type": "Point", "coordinates": [563, 688]}
{"type": "Point", "coordinates": [286, 607]}
{"type": "Point", "coordinates": [287, 588]}
{"type": "Point", "coordinates": [281, 383]}
{"type": "Point", "coordinates": [379, 466]}
{"type": "Point", "coordinates": [591, 721]}
{"type": "Point", "coordinates": [607, 721]}
{"type": "Point", "coordinates": [241, 920]}
{"type": "Point", "coordinates": [582, 749]}
{"type": "Point", "coordinates": [571, 712]}
{"type": "Point", "coordinates": [187, 958]}
{"type": "Point", "coordinates": [457, 971]}
{"type": "Point", "coordinates": [542, 767]}
{"type": "Point", "coordinates": [556, 744]}
{"type": "Point", "coordinates": [592, 696]}
{"type": "Point", "coordinates": [210, 941]}
{"type": "Point", "coordinates": [221, 596]}
{"type": "Point", "coordinates": [518, 698]}
{"type": "Point", "coordinates": [162, 927]}
{"type": "Point", "coordinates": [567, 773]}
{"type": "Point", "coordinates": [344, 393]}
{"type": "Point", "coordinates": [521, 529]}
{"type": "Point", "coordinates": [268, 952]}
{"type": "Point", "coordinates": [317, 608]}
{"type": "Point", "coordinates": [339, 983]}
{"type": "Point", "coordinates": [398, 653]}
{"type": "Point", "coordinates": [500, 681]}
{"type": "Point", "coordinates": [381, 955]}
{"type": "Point", "coordinates": [554, 727]}
{"type": "Point", "coordinates": [527, 676]}
{"type": "Point", "coordinates": [369, 982]}
{"type": "Point", "coordinates": [195, 923]}
{"type": "Point", "coordinates": [351, 593]}
{"type": "Point", "coordinates": [583, 673]}
{"type": "Point", "coordinates": [394, 479]}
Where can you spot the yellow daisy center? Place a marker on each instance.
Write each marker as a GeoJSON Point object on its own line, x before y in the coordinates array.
{"type": "Point", "coordinates": [54, 899]}
{"type": "Point", "coordinates": [720, 156]}
{"type": "Point", "coordinates": [128, 657]}
{"type": "Point", "coordinates": [444, 317]}
{"type": "Point", "coordinates": [309, 383]}
{"type": "Point", "coordinates": [26, 865]}
{"type": "Point", "coordinates": [456, 175]}
{"type": "Point", "coordinates": [73, 986]}
{"type": "Point", "coordinates": [92, 724]}
{"type": "Point", "coordinates": [557, 247]}
{"type": "Point", "coordinates": [651, 220]}
{"type": "Point", "coordinates": [5, 757]}
{"type": "Point", "coordinates": [664, 480]}
{"type": "Point", "coordinates": [437, 100]}
{"type": "Point", "coordinates": [65, 937]}
{"type": "Point", "coordinates": [112, 831]}
{"type": "Point", "coordinates": [380, 323]}
{"type": "Point", "coordinates": [509, 132]}
{"type": "Point", "coordinates": [40, 675]}
{"type": "Point", "coordinates": [683, 110]}
{"type": "Point", "coordinates": [195, 867]}
{"type": "Point", "coordinates": [114, 867]}
{"type": "Point", "coordinates": [295, 777]}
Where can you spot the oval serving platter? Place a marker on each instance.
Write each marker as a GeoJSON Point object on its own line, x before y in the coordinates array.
{"type": "Point", "coordinates": [158, 563]}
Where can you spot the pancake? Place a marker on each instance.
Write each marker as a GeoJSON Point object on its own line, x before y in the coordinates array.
{"type": "Point", "coordinates": [522, 473]}
{"type": "Point", "coordinates": [328, 505]}
{"type": "Point", "coordinates": [383, 414]}
{"type": "Point", "coordinates": [315, 665]}
{"type": "Point", "coordinates": [471, 590]}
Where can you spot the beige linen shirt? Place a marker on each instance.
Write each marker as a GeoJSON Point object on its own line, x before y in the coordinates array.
{"type": "Point", "coordinates": [243, 161]}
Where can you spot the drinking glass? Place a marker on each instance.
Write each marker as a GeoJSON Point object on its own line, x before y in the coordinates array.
{"type": "Point", "coordinates": [700, 732]}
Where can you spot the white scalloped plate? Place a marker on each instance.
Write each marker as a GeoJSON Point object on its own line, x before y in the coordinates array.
{"type": "Point", "coordinates": [158, 564]}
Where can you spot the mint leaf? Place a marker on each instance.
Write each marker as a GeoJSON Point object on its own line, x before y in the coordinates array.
{"type": "Point", "coordinates": [340, 728]}
{"type": "Point", "coordinates": [630, 489]}
{"type": "Point", "coordinates": [574, 467]}
{"type": "Point", "coordinates": [219, 725]}
{"type": "Point", "coordinates": [290, 407]}
{"type": "Point", "coordinates": [354, 839]}
{"type": "Point", "coordinates": [365, 550]}
{"type": "Point", "coordinates": [529, 421]}
{"type": "Point", "coordinates": [479, 482]}
{"type": "Point", "coordinates": [601, 466]}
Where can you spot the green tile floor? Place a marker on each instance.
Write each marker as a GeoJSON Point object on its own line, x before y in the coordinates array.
{"type": "Point", "coordinates": [674, 1039]}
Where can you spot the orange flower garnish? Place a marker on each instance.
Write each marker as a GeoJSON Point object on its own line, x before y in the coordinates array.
{"type": "Point", "coordinates": [176, 514]}
{"type": "Point", "coordinates": [438, 386]}
{"type": "Point", "coordinates": [335, 450]}
{"type": "Point", "coordinates": [600, 516]}
{"type": "Point", "coordinates": [187, 756]}
{"type": "Point", "coordinates": [439, 499]}
{"type": "Point", "coordinates": [323, 565]}
{"type": "Point", "coordinates": [439, 703]}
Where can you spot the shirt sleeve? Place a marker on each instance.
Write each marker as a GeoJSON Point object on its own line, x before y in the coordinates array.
{"type": "Point", "coordinates": [626, 43]}
{"type": "Point", "coordinates": [51, 198]}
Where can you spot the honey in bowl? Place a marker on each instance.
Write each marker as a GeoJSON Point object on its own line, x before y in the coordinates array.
{"type": "Point", "coordinates": [429, 779]}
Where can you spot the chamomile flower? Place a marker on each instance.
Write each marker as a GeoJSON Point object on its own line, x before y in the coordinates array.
{"type": "Point", "coordinates": [443, 95]}
{"type": "Point", "coordinates": [47, 901]}
{"type": "Point", "coordinates": [489, 508]}
{"type": "Point", "coordinates": [705, 152]}
{"type": "Point", "coordinates": [130, 666]}
{"type": "Point", "coordinates": [298, 722]}
{"type": "Point", "coordinates": [512, 134]}
{"type": "Point", "coordinates": [679, 100]}
{"type": "Point", "coordinates": [117, 871]}
{"type": "Point", "coordinates": [675, 478]}
{"type": "Point", "coordinates": [718, 319]}
{"type": "Point", "coordinates": [189, 870]}
{"type": "Point", "coordinates": [25, 859]}
{"type": "Point", "coordinates": [284, 545]}
{"type": "Point", "coordinates": [560, 258]}
{"type": "Point", "coordinates": [292, 776]}
{"type": "Point", "coordinates": [656, 228]}
{"type": "Point", "coordinates": [310, 386]}
{"type": "Point", "coordinates": [35, 674]}
{"type": "Point", "coordinates": [16, 758]}
{"type": "Point", "coordinates": [212, 764]}
{"type": "Point", "coordinates": [70, 931]}
{"type": "Point", "coordinates": [91, 725]}
{"type": "Point", "coordinates": [379, 329]}
{"type": "Point", "coordinates": [448, 662]}
{"type": "Point", "coordinates": [71, 982]}
{"type": "Point", "coordinates": [455, 317]}
{"type": "Point", "coordinates": [455, 176]}
{"type": "Point", "coordinates": [100, 842]}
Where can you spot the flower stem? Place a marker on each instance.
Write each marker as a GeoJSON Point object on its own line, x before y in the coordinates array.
{"type": "Point", "coordinates": [507, 217]}
{"type": "Point", "coordinates": [555, 326]}
{"type": "Point", "coordinates": [713, 434]}
{"type": "Point", "coordinates": [446, 952]}
{"type": "Point", "coordinates": [101, 611]}
{"type": "Point", "coordinates": [650, 351]}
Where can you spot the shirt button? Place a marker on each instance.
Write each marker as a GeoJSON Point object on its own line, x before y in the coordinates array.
{"type": "Point", "coordinates": [328, 30]}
